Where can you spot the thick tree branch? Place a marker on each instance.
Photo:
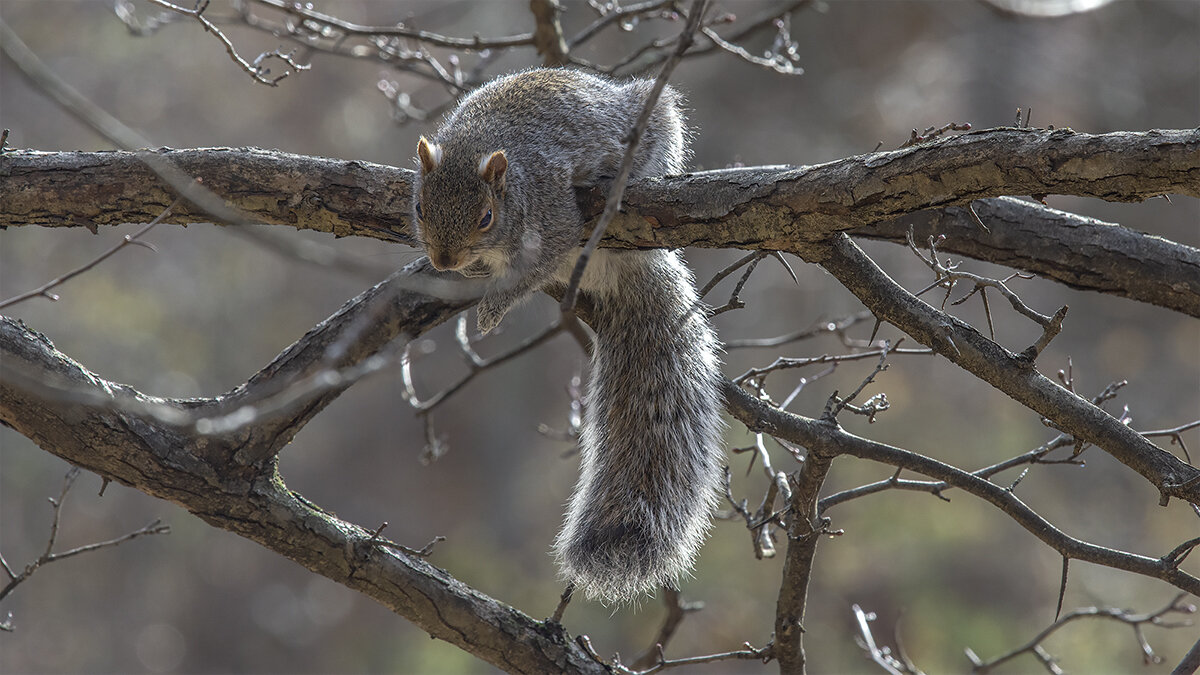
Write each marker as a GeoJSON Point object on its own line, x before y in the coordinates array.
{"type": "Point", "coordinates": [1011, 373]}
{"type": "Point", "coordinates": [830, 439]}
{"type": "Point", "coordinates": [100, 427]}
{"type": "Point", "coordinates": [110, 429]}
{"type": "Point", "coordinates": [1079, 252]}
{"type": "Point", "coordinates": [766, 208]}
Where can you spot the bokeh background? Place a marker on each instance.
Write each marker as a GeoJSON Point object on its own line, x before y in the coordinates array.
{"type": "Point", "coordinates": [211, 307]}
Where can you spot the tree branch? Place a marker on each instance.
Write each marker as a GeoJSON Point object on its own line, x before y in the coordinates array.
{"type": "Point", "coordinates": [174, 463]}
{"type": "Point", "coordinates": [1079, 252]}
{"type": "Point", "coordinates": [763, 208]}
{"type": "Point", "coordinates": [809, 433]}
{"type": "Point", "coordinates": [1013, 374]}
{"type": "Point", "coordinates": [230, 481]}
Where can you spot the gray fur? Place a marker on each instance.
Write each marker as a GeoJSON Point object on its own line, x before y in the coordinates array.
{"type": "Point", "coordinates": [651, 439]}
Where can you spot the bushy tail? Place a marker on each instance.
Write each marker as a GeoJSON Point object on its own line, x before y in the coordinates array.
{"type": "Point", "coordinates": [651, 437]}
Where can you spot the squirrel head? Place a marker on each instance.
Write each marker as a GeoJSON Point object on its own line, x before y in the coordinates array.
{"type": "Point", "coordinates": [457, 202]}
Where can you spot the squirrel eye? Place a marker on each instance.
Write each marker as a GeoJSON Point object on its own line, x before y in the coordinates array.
{"type": "Point", "coordinates": [485, 223]}
{"type": "Point", "coordinates": [418, 208]}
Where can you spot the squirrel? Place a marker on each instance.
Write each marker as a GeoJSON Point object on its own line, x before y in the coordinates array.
{"type": "Point", "coordinates": [494, 197]}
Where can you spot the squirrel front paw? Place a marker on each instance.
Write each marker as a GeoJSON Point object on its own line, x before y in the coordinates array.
{"type": "Point", "coordinates": [489, 313]}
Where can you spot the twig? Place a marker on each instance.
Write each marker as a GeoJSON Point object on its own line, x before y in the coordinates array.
{"type": "Point", "coordinates": [127, 240]}
{"type": "Point", "coordinates": [256, 70]}
{"type": "Point", "coordinates": [613, 204]}
{"type": "Point", "coordinates": [423, 552]}
{"type": "Point", "coordinates": [735, 299]}
{"type": "Point", "coordinates": [936, 488]}
{"type": "Point", "coordinates": [875, 405]}
{"type": "Point", "coordinates": [747, 653]}
{"type": "Point", "coordinates": [774, 18]}
{"type": "Point", "coordinates": [1135, 621]}
{"type": "Point", "coordinates": [837, 327]}
{"type": "Point", "coordinates": [474, 43]}
{"type": "Point", "coordinates": [882, 656]}
{"type": "Point", "coordinates": [783, 64]}
{"type": "Point", "coordinates": [48, 556]}
{"type": "Point", "coordinates": [677, 609]}
{"type": "Point", "coordinates": [933, 132]}
{"type": "Point", "coordinates": [729, 269]}
{"type": "Point", "coordinates": [1175, 434]}
{"type": "Point", "coordinates": [623, 14]}
{"type": "Point", "coordinates": [757, 376]}
{"type": "Point", "coordinates": [947, 276]}
{"type": "Point", "coordinates": [475, 364]}
{"type": "Point", "coordinates": [563, 601]}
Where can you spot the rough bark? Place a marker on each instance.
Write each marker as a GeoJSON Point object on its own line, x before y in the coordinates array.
{"type": "Point", "coordinates": [767, 208]}
{"type": "Point", "coordinates": [152, 445]}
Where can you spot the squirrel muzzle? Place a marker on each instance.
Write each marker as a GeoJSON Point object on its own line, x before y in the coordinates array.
{"type": "Point", "coordinates": [444, 260]}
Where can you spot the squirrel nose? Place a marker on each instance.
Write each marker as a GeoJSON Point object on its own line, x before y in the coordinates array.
{"type": "Point", "coordinates": [444, 260]}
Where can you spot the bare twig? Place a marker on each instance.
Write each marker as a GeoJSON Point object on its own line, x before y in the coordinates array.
{"type": "Point", "coordinates": [947, 275]}
{"type": "Point", "coordinates": [781, 61]}
{"type": "Point", "coordinates": [747, 653]}
{"type": "Point", "coordinates": [933, 132]}
{"type": "Point", "coordinates": [257, 69]}
{"type": "Point", "coordinates": [626, 15]}
{"type": "Point", "coordinates": [613, 203]}
{"type": "Point", "coordinates": [875, 405]}
{"type": "Point", "coordinates": [735, 297]}
{"type": "Point", "coordinates": [837, 327]}
{"type": "Point", "coordinates": [563, 601]}
{"type": "Point", "coordinates": [757, 376]}
{"type": "Point", "coordinates": [127, 240]}
{"type": "Point", "coordinates": [937, 488]}
{"type": "Point", "coordinates": [48, 556]}
{"type": "Point", "coordinates": [677, 609]}
{"type": "Point", "coordinates": [721, 274]}
{"type": "Point", "coordinates": [895, 663]}
{"type": "Point", "coordinates": [475, 363]}
{"type": "Point", "coordinates": [475, 43]}
{"type": "Point", "coordinates": [1135, 621]}
{"type": "Point", "coordinates": [654, 52]}
{"type": "Point", "coordinates": [1175, 434]}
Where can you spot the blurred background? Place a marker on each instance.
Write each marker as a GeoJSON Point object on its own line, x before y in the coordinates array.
{"type": "Point", "coordinates": [210, 308]}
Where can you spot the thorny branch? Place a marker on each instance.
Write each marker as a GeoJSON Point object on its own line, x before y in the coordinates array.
{"type": "Point", "coordinates": [948, 275]}
{"type": "Point", "coordinates": [1135, 621]}
{"type": "Point", "coordinates": [809, 433]}
{"type": "Point", "coordinates": [49, 556]}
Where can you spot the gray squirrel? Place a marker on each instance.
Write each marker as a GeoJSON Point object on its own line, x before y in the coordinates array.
{"type": "Point", "coordinates": [495, 198]}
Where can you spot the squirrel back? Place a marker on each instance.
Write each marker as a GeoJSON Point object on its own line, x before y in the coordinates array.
{"type": "Point", "coordinates": [495, 198]}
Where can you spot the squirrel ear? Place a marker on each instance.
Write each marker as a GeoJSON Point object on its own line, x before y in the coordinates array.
{"type": "Point", "coordinates": [430, 155]}
{"type": "Point", "coordinates": [492, 168]}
